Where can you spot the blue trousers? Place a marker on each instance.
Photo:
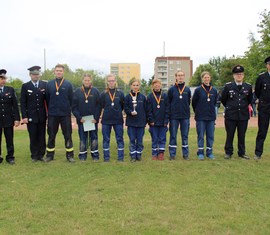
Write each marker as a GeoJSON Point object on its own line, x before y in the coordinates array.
{"type": "Point", "coordinates": [158, 134]}
{"type": "Point", "coordinates": [184, 128]}
{"type": "Point", "coordinates": [93, 142]}
{"type": "Point", "coordinates": [135, 135]}
{"type": "Point", "coordinates": [119, 132]}
{"type": "Point", "coordinates": [208, 128]}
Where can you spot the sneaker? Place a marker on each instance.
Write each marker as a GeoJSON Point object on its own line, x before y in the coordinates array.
{"type": "Point", "coordinates": [71, 159]}
{"type": "Point", "coordinates": [201, 157]}
{"type": "Point", "coordinates": [133, 159]}
{"type": "Point", "coordinates": [243, 156]}
{"type": "Point", "coordinates": [211, 156]}
{"type": "Point", "coordinates": [48, 159]}
{"type": "Point", "coordinates": [257, 158]}
{"type": "Point", "coordinates": [186, 157]}
{"type": "Point", "coordinates": [227, 156]}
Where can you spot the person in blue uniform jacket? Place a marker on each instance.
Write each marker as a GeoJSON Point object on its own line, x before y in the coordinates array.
{"type": "Point", "coordinates": [9, 117]}
{"type": "Point", "coordinates": [204, 105]}
{"type": "Point", "coordinates": [179, 99]}
{"type": "Point", "coordinates": [158, 118]}
{"type": "Point", "coordinates": [262, 91]}
{"type": "Point", "coordinates": [112, 103]}
{"type": "Point", "coordinates": [34, 113]}
{"type": "Point", "coordinates": [135, 109]}
{"type": "Point", "coordinates": [86, 101]}
{"type": "Point", "coordinates": [59, 99]}
{"type": "Point", "coordinates": [236, 97]}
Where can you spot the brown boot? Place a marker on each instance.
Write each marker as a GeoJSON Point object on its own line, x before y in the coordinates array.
{"type": "Point", "coordinates": [161, 156]}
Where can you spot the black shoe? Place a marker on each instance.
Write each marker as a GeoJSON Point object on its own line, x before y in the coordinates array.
{"type": "Point", "coordinates": [186, 157]}
{"type": "Point", "coordinates": [48, 159]}
{"type": "Point", "coordinates": [244, 157]}
{"type": "Point", "coordinates": [41, 159]}
{"type": "Point", "coordinates": [34, 160]}
{"type": "Point", "coordinates": [71, 159]}
{"type": "Point", "coordinates": [133, 159]}
{"type": "Point", "coordinates": [257, 158]}
{"type": "Point", "coordinates": [11, 162]}
{"type": "Point", "coordinates": [227, 156]}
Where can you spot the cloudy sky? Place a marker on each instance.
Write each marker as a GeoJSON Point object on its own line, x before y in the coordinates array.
{"type": "Point", "coordinates": [91, 34]}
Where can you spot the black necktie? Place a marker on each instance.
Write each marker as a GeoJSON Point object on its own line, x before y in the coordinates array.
{"type": "Point", "coordinates": [1, 90]}
{"type": "Point", "coordinates": [35, 85]}
{"type": "Point", "coordinates": [239, 87]}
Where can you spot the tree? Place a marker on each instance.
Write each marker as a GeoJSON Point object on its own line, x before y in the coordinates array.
{"type": "Point", "coordinates": [16, 83]}
{"type": "Point", "coordinates": [196, 78]}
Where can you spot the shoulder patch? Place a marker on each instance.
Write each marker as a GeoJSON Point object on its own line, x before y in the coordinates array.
{"type": "Point", "coordinates": [228, 83]}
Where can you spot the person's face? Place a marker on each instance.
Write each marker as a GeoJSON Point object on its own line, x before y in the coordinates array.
{"type": "Point", "coordinates": [111, 82]}
{"type": "Point", "coordinates": [206, 79]}
{"type": "Point", "coordinates": [87, 82]}
{"type": "Point", "coordinates": [135, 86]}
{"type": "Point", "coordinates": [180, 77]}
{"type": "Point", "coordinates": [35, 77]}
{"type": "Point", "coordinates": [2, 81]}
{"type": "Point", "coordinates": [238, 77]}
{"type": "Point", "coordinates": [157, 86]}
{"type": "Point", "coordinates": [268, 66]}
{"type": "Point", "coordinates": [59, 72]}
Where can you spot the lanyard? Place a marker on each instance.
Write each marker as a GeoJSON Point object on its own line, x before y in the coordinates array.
{"type": "Point", "coordinates": [86, 95]}
{"type": "Point", "coordinates": [157, 99]}
{"type": "Point", "coordinates": [57, 87]}
{"type": "Point", "coordinates": [208, 92]}
{"type": "Point", "coordinates": [180, 91]}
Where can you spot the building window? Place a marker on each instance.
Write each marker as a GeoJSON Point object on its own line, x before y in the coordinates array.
{"type": "Point", "coordinates": [170, 62]}
{"type": "Point", "coordinates": [178, 62]}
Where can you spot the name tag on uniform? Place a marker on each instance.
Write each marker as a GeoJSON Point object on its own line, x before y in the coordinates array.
{"type": "Point", "coordinates": [30, 91]}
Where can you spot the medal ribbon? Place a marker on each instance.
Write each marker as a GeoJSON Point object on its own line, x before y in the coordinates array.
{"type": "Point", "coordinates": [180, 91]}
{"type": "Point", "coordinates": [88, 93]}
{"type": "Point", "coordinates": [157, 99]}
{"type": "Point", "coordinates": [56, 84]}
{"type": "Point", "coordinates": [112, 96]}
{"type": "Point", "coordinates": [136, 93]}
{"type": "Point", "coordinates": [208, 92]}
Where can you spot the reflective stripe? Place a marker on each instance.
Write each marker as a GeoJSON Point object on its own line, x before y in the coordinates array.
{"type": "Point", "coordinates": [173, 146]}
{"type": "Point", "coordinates": [184, 146]}
{"type": "Point", "coordinates": [209, 148]}
{"type": "Point", "coordinates": [133, 152]}
{"type": "Point", "coordinates": [139, 152]}
{"type": "Point", "coordinates": [120, 149]}
{"type": "Point", "coordinates": [50, 150]}
{"type": "Point", "coordinates": [83, 152]}
{"type": "Point", "coordinates": [106, 149]}
{"type": "Point", "coordinates": [94, 151]}
{"type": "Point", "coordinates": [161, 148]}
{"type": "Point", "coordinates": [200, 148]}
{"type": "Point", "coordinates": [154, 149]}
{"type": "Point", "coordinates": [69, 150]}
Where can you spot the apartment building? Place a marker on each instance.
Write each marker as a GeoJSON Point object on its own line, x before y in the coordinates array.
{"type": "Point", "coordinates": [126, 71]}
{"type": "Point", "coordinates": [166, 67]}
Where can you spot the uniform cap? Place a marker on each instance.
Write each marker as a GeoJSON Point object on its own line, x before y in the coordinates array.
{"type": "Point", "coordinates": [267, 60]}
{"type": "Point", "coordinates": [3, 72]}
{"type": "Point", "coordinates": [238, 69]}
{"type": "Point", "coordinates": [35, 69]}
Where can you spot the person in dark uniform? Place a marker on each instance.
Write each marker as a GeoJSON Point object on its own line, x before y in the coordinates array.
{"type": "Point", "coordinates": [204, 102]}
{"type": "Point", "coordinates": [34, 114]}
{"type": "Point", "coordinates": [59, 99]}
{"type": "Point", "coordinates": [112, 103]}
{"type": "Point", "coordinates": [262, 91]}
{"type": "Point", "coordinates": [86, 103]}
{"type": "Point", "coordinates": [179, 99]}
{"type": "Point", "coordinates": [236, 97]}
{"type": "Point", "coordinates": [9, 117]}
{"type": "Point", "coordinates": [158, 119]}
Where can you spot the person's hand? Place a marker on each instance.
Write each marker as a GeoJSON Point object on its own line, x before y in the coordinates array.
{"type": "Point", "coordinates": [152, 123]}
{"type": "Point", "coordinates": [94, 121]}
{"type": "Point", "coordinates": [16, 123]}
{"type": "Point", "coordinates": [25, 120]}
{"type": "Point", "coordinates": [82, 120]}
{"type": "Point", "coordinates": [133, 113]}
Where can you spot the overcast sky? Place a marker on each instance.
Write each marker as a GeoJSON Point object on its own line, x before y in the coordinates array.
{"type": "Point", "coordinates": [91, 34]}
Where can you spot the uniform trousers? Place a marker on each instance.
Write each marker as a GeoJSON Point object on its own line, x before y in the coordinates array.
{"type": "Point", "coordinates": [37, 132]}
{"type": "Point", "coordinates": [158, 134]}
{"type": "Point", "coordinates": [135, 135]}
{"type": "Point", "coordinates": [9, 133]}
{"type": "Point", "coordinates": [231, 126]}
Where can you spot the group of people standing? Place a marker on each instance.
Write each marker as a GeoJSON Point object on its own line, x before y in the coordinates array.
{"type": "Point", "coordinates": [52, 103]}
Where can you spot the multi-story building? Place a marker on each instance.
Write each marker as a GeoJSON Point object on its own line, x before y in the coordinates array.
{"type": "Point", "coordinates": [166, 67]}
{"type": "Point", "coordinates": [126, 71]}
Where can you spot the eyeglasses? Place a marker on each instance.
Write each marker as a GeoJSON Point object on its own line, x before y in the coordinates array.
{"type": "Point", "coordinates": [111, 81]}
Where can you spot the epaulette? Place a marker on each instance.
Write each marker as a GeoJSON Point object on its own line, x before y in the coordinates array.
{"type": "Point", "coordinates": [248, 83]}
{"type": "Point", "coordinates": [261, 73]}
{"type": "Point", "coordinates": [228, 83]}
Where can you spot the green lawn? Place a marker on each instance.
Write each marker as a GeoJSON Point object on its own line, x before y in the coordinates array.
{"type": "Point", "coordinates": [148, 197]}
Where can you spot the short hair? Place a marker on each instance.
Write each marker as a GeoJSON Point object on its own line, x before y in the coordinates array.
{"type": "Point", "coordinates": [88, 75]}
{"type": "Point", "coordinates": [59, 66]}
{"type": "Point", "coordinates": [156, 80]}
{"type": "Point", "coordinates": [132, 80]}
{"type": "Point", "coordinates": [204, 73]}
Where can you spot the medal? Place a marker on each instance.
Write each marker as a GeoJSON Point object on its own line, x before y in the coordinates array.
{"type": "Point", "coordinates": [181, 97]}
{"type": "Point", "coordinates": [180, 91]}
{"type": "Point", "coordinates": [112, 104]}
{"type": "Point", "coordinates": [208, 99]}
{"type": "Point", "coordinates": [86, 95]}
{"type": "Point", "coordinates": [112, 96]}
{"type": "Point", "coordinates": [208, 92]}
{"type": "Point", "coordinates": [57, 87]}
{"type": "Point", "coordinates": [158, 99]}
{"type": "Point", "coordinates": [158, 106]}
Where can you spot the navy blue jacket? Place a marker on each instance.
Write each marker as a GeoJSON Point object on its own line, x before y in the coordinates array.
{"type": "Point", "coordinates": [236, 102]}
{"type": "Point", "coordinates": [138, 120]}
{"type": "Point", "coordinates": [33, 102]}
{"type": "Point", "coordinates": [80, 108]}
{"type": "Point", "coordinates": [112, 114]}
{"type": "Point", "coordinates": [59, 105]}
{"type": "Point", "coordinates": [204, 110]}
{"type": "Point", "coordinates": [262, 91]}
{"type": "Point", "coordinates": [158, 116]}
{"type": "Point", "coordinates": [9, 111]}
{"type": "Point", "coordinates": [179, 108]}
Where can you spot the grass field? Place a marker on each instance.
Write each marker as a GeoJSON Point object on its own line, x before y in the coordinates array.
{"type": "Point", "coordinates": [148, 197]}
